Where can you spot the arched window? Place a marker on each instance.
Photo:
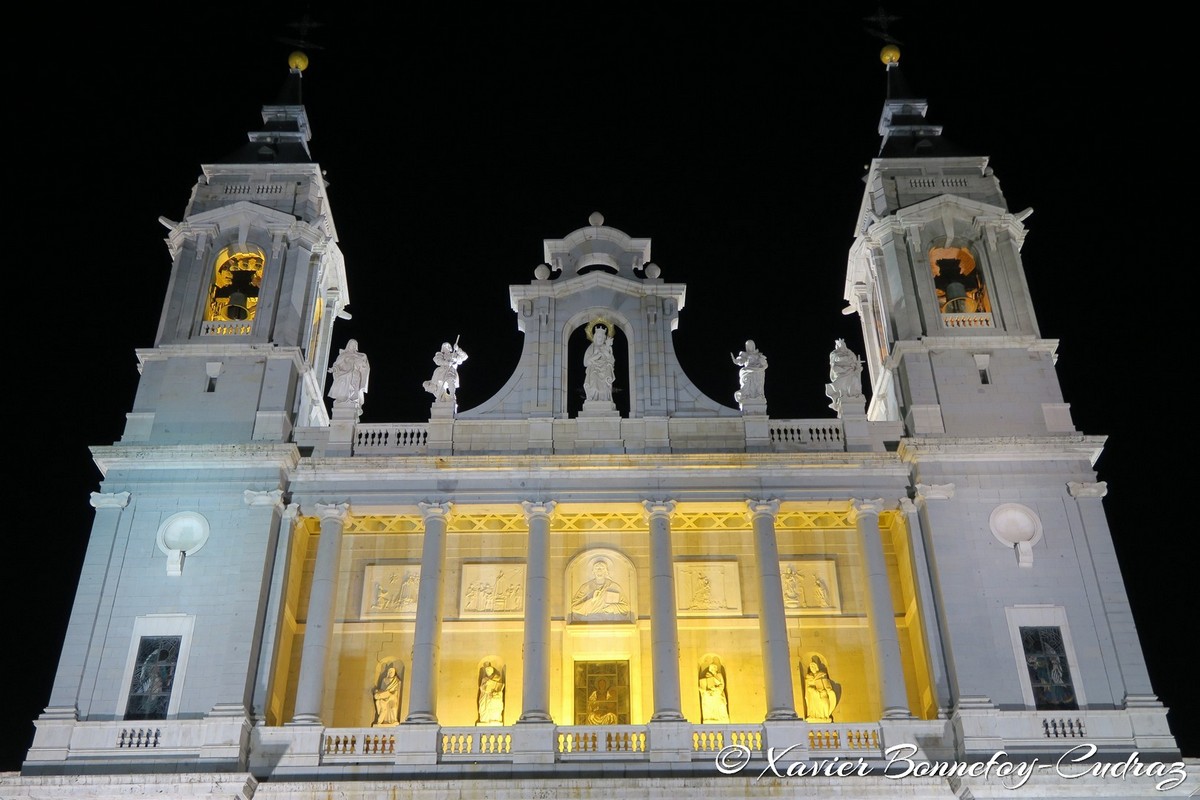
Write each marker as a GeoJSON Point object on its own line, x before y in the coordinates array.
{"type": "Point", "coordinates": [237, 276]}
{"type": "Point", "coordinates": [959, 282]}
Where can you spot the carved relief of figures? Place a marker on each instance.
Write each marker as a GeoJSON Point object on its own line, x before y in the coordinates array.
{"type": "Point", "coordinates": [752, 376]}
{"type": "Point", "coordinates": [714, 694]}
{"type": "Point", "coordinates": [707, 589]}
{"type": "Point", "coordinates": [390, 590]}
{"type": "Point", "coordinates": [490, 697]}
{"type": "Point", "coordinates": [599, 363]}
{"type": "Point", "coordinates": [351, 372]}
{"type": "Point", "coordinates": [845, 376]}
{"type": "Point", "coordinates": [809, 586]}
{"type": "Point", "coordinates": [821, 694]}
{"type": "Point", "coordinates": [821, 592]}
{"type": "Point", "coordinates": [490, 589]}
{"type": "Point", "coordinates": [793, 587]}
{"type": "Point", "coordinates": [705, 596]}
{"type": "Point", "coordinates": [601, 597]}
{"type": "Point", "coordinates": [386, 695]}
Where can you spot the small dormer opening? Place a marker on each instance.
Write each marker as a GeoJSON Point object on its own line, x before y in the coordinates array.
{"type": "Point", "coordinates": [598, 262]}
{"type": "Point", "coordinates": [598, 268]}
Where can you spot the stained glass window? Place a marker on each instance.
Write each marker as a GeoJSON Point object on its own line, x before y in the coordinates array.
{"type": "Point", "coordinates": [153, 677]}
{"type": "Point", "coordinates": [1049, 673]}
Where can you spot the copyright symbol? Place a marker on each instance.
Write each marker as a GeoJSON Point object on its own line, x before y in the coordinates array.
{"type": "Point", "coordinates": [732, 759]}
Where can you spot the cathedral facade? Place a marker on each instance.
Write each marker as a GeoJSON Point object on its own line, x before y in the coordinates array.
{"type": "Point", "coordinates": [569, 590]}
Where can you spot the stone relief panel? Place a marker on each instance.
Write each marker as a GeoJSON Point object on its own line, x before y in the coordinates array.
{"type": "Point", "coordinates": [390, 591]}
{"type": "Point", "coordinates": [708, 589]}
{"type": "Point", "coordinates": [601, 586]}
{"type": "Point", "coordinates": [810, 586]}
{"type": "Point", "coordinates": [492, 590]}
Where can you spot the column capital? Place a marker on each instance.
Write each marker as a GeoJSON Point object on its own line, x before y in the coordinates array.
{"type": "Point", "coordinates": [537, 508]}
{"type": "Point", "coordinates": [763, 508]}
{"type": "Point", "coordinates": [659, 508]}
{"type": "Point", "coordinates": [430, 510]}
{"type": "Point", "coordinates": [935, 491]}
{"type": "Point", "coordinates": [872, 507]}
{"type": "Point", "coordinates": [271, 497]}
{"type": "Point", "coordinates": [110, 500]}
{"type": "Point", "coordinates": [333, 511]}
{"type": "Point", "coordinates": [1078, 490]}
{"type": "Point", "coordinates": [907, 505]}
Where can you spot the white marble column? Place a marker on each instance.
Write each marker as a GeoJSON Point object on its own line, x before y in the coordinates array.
{"type": "Point", "coordinates": [318, 625]}
{"type": "Point", "coordinates": [535, 678]}
{"type": "Point", "coordinates": [664, 631]}
{"type": "Point", "coordinates": [772, 623]}
{"type": "Point", "coordinates": [882, 618]}
{"type": "Point", "coordinates": [422, 697]}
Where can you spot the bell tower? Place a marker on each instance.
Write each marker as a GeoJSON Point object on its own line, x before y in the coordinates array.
{"type": "Point", "coordinates": [256, 281]}
{"type": "Point", "coordinates": [174, 617]}
{"type": "Point", "coordinates": [1032, 612]}
{"type": "Point", "coordinates": [936, 276]}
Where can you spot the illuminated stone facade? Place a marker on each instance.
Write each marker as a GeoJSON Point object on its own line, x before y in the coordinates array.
{"type": "Point", "coordinates": [526, 598]}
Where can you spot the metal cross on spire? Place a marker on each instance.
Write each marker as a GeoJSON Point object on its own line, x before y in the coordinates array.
{"type": "Point", "coordinates": [881, 20]}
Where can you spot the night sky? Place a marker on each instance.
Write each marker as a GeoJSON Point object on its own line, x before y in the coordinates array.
{"type": "Point", "coordinates": [456, 140]}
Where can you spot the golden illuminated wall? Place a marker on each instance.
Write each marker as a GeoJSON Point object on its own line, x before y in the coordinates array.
{"type": "Point", "coordinates": [914, 649]}
{"type": "Point", "coordinates": [717, 609]}
{"type": "Point", "coordinates": [281, 691]}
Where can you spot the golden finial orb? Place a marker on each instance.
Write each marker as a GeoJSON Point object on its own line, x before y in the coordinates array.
{"type": "Point", "coordinates": [298, 60]}
{"type": "Point", "coordinates": [890, 54]}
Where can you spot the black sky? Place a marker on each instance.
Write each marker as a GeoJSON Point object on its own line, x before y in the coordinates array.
{"type": "Point", "coordinates": [455, 140]}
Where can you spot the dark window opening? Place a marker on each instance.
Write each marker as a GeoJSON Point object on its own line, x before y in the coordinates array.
{"type": "Point", "coordinates": [1049, 673]}
{"type": "Point", "coordinates": [153, 677]}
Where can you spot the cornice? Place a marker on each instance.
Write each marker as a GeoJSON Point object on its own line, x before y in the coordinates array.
{"type": "Point", "coordinates": [569, 285]}
{"type": "Point", "coordinates": [195, 456]}
{"type": "Point", "coordinates": [205, 347]}
{"type": "Point", "coordinates": [1002, 448]}
{"type": "Point", "coordinates": [377, 467]}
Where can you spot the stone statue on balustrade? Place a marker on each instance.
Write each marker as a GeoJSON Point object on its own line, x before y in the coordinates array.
{"type": "Point", "coordinates": [444, 383]}
{"type": "Point", "coordinates": [845, 379]}
{"type": "Point", "coordinates": [386, 695]}
{"type": "Point", "coordinates": [752, 377]}
{"type": "Point", "coordinates": [351, 372]}
{"type": "Point", "coordinates": [821, 694]}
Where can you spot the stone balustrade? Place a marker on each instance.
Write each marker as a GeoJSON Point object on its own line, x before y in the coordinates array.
{"type": "Point", "coordinates": [467, 436]}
